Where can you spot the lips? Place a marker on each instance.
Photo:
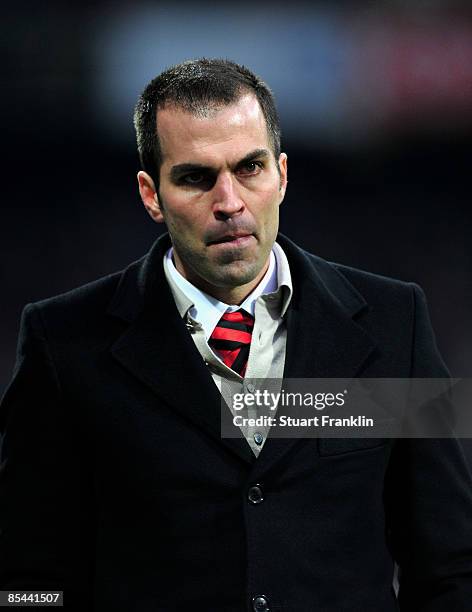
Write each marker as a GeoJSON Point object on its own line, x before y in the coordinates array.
{"type": "Point", "coordinates": [238, 238]}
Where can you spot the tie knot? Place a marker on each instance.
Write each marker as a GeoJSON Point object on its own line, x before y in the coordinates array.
{"type": "Point", "coordinates": [231, 339]}
{"type": "Point", "coordinates": [237, 320]}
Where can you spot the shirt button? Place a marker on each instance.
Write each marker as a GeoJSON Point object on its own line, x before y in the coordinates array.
{"type": "Point", "coordinates": [255, 495]}
{"type": "Point", "coordinates": [251, 388]}
{"type": "Point", "coordinates": [258, 438]}
{"type": "Point", "coordinates": [260, 604]}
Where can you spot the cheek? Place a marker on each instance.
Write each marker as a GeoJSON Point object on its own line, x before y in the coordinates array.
{"type": "Point", "coordinates": [269, 207]}
{"type": "Point", "coordinates": [179, 213]}
{"type": "Point", "coordinates": [187, 227]}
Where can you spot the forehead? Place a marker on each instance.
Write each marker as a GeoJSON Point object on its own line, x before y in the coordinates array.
{"type": "Point", "coordinates": [225, 132]}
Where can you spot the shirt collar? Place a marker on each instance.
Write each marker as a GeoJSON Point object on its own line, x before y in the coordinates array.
{"type": "Point", "coordinates": [207, 310]}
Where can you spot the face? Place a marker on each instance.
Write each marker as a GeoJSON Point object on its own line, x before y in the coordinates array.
{"type": "Point", "coordinates": [219, 195]}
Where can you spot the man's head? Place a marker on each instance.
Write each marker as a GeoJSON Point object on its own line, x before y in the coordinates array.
{"type": "Point", "coordinates": [209, 144]}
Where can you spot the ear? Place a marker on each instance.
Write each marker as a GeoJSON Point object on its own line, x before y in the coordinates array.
{"type": "Point", "coordinates": [283, 175]}
{"type": "Point", "coordinates": [148, 193]}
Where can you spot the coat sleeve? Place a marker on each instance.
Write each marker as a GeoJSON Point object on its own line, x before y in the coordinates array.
{"type": "Point", "coordinates": [46, 529]}
{"type": "Point", "coordinates": [429, 502]}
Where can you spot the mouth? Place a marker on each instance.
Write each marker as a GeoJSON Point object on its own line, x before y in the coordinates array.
{"type": "Point", "coordinates": [233, 240]}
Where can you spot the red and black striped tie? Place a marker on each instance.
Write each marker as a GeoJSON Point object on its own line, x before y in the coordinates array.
{"type": "Point", "coordinates": [231, 339]}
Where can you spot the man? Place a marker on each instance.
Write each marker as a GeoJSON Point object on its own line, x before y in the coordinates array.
{"type": "Point", "coordinates": [116, 484]}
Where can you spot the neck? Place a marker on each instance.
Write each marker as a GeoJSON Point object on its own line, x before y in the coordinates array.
{"type": "Point", "coordinates": [234, 295]}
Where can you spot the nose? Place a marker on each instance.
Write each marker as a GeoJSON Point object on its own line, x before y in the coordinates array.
{"type": "Point", "coordinates": [226, 199]}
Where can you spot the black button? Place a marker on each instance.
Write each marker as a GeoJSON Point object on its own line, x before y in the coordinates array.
{"type": "Point", "coordinates": [260, 604]}
{"type": "Point", "coordinates": [255, 494]}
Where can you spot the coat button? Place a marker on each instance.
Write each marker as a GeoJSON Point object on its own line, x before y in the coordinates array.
{"type": "Point", "coordinates": [260, 604]}
{"type": "Point", "coordinates": [255, 494]}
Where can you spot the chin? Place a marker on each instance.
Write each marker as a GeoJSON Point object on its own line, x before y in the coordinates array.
{"type": "Point", "coordinates": [238, 274]}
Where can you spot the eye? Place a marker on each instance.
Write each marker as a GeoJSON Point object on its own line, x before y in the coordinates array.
{"type": "Point", "coordinates": [251, 168]}
{"type": "Point", "coordinates": [194, 178]}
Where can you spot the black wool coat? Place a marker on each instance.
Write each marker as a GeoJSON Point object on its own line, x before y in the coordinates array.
{"type": "Point", "coordinates": [117, 488]}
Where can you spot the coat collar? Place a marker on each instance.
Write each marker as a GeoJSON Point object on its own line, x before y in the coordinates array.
{"type": "Point", "coordinates": [323, 341]}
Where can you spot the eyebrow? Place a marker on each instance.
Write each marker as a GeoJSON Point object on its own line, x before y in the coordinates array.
{"type": "Point", "coordinates": [179, 169]}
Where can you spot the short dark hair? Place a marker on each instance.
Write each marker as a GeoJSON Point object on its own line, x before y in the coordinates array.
{"type": "Point", "coordinates": [198, 86]}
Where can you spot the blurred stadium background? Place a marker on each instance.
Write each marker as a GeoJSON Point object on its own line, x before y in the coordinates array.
{"type": "Point", "coordinates": [376, 108]}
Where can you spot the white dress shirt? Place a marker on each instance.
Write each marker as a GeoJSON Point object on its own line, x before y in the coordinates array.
{"type": "Point", "coordinates": [268, 303]}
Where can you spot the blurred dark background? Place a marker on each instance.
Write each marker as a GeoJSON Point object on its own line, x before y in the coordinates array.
{"type": "Point", "coordinates": [376, 107]}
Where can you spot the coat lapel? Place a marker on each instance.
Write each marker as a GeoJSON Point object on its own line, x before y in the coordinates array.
{"type": "Point", "coordinates": [159, 351]}
{"type": "Point", "coordinates": [323, 340]}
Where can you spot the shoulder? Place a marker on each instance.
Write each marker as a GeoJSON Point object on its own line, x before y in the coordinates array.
{"type": "Point", "coordinates": [84, 299]}
{"type": "Point", "coordinates": [377, 287]}
{"type": "Point", "coordinates": [74, 314]}
{"type": "Point", "coordinates": [304, 262]}
{"type": "Point", "coordinates": [349, 285]}
{"type": "Point", "coordinates": [393, 312]}
{"type": "Point", "coordinates": [90, 295]}
{"type": "Point", "coordinates": [392, 301]}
